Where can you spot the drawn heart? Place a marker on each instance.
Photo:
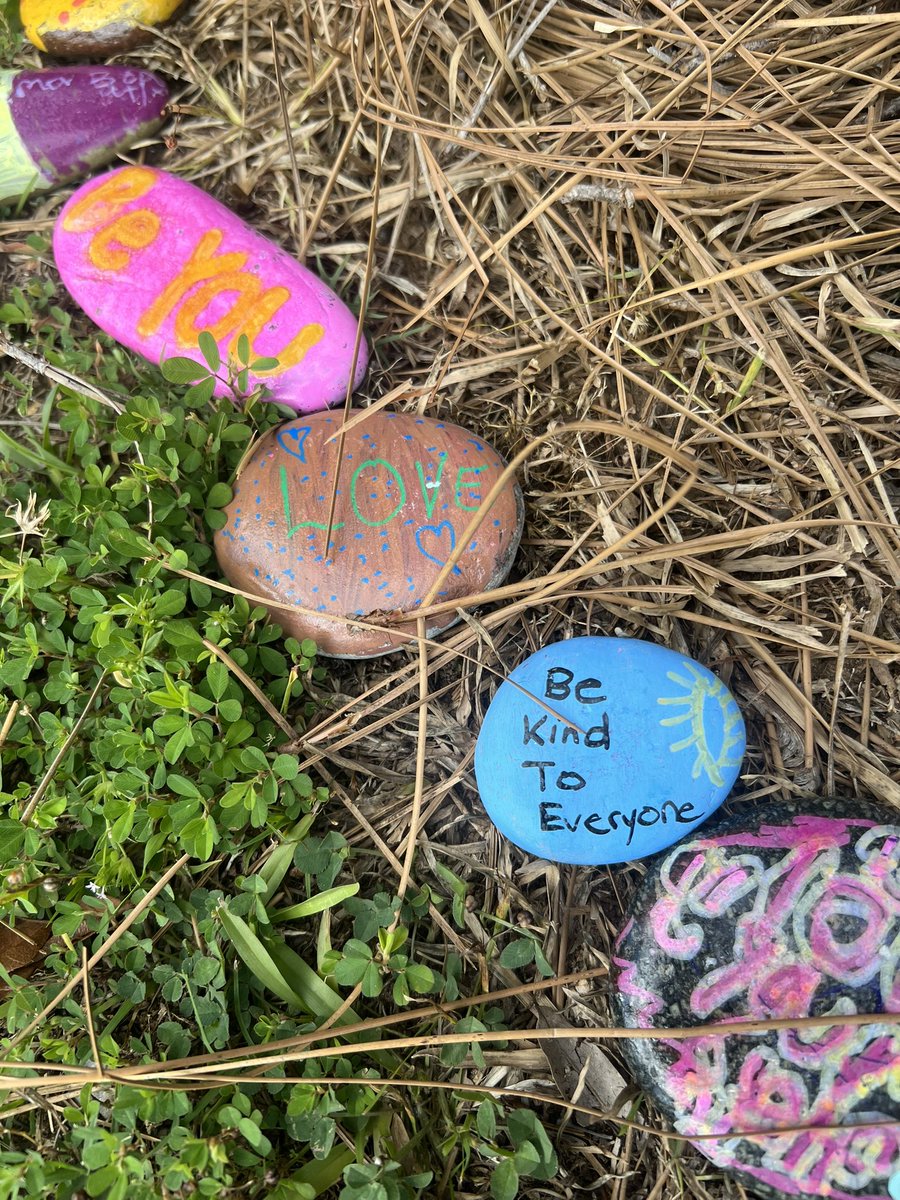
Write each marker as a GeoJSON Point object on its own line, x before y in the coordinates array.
{"type": "Point", "coordinates": [298, 436]}
{"type": "Point", "coordinates": [431, 537]}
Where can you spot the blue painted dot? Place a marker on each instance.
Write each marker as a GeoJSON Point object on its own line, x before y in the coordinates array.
{"type": "Point", "coordinates": [258, 499]}
{"type": "Point", "coordinates": [407, 437]}
{"type": "Point", "coordinates": [305, 479]}
{"type": "Point", "coordinates": [357, 536]}
{"type": "Point", "coordinates": [384, 546]}
{"type": "Point", "coordinates": [496, 524]}
{"type": "Point", "coordinates": [409, 522]}
{"type": "Point", "coordinates": [315, 589]}
{"type": "Point", "coordinates": [365, 579]}
{"type": "Point", "coordinates": [377, 573]}
{"type": "Point", "coordinates": [257, 517]}
{"type": "Point", "coordinates": [319, 558]}
{"type": "Point", "coordinates": [334, 599]}
{"type": "Point", "coordinates": [360, 612]}
{"type": "Point", "coordinates": [321, 608]}
{"type": "Point", "coordinates": [362, 558]}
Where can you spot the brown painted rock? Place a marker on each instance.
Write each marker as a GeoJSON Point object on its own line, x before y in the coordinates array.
{"type": "Point", "coordinates": [407, 489]}
{"type": "Point", "coordinates": [91, 28]}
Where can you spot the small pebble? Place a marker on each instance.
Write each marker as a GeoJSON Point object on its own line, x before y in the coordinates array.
{"type": "Point", "coordinates": [407, 489]}
{"type": "Point", "coordinates": [91, 28]}
{"type": "Point", "coordinates": [601, 750]}
{"type": "Point", "coordinates": [780, 911]}
{"type": "Point", "coordinates": [155, 261]}
{"type": "Point", "coordinates": [58, 123]}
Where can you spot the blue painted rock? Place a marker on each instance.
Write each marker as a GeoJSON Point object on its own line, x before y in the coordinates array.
{"type": "Point", "coordinates": [407, 488]}
{"type": "Point", "coordinates": [57, 124]}
{"type": "Point", "coordinates": [601, 750]}
{"type": "Point", "coordinates": [155, 262]}
{"type": "Point", "coordinates": [91, 28]}
{"type": "Point", "coordinates": [779, 912]}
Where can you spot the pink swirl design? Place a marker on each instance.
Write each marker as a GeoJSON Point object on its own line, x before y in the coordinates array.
{"type": "Point", "coordinates": [813, 909]}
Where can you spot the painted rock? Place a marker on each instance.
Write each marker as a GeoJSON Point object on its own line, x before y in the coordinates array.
{"type": "Point", "coordinates": [155, 261]}
{"type": "Point", "coordinates": [600, 750]}
{"type": "Point", "coordinates": [91, 28]}
{"type": "Point", "coordinates": [407, 488]}
{"type": "Point", "coordinates": [58, 123]}
{"type": "Point", "coordinates": [780, 912]}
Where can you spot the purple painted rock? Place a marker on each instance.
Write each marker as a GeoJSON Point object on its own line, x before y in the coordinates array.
{"type": "Point", "coordinates": [155, 261]}
{"type": "Point", "coordinates": [85, 28]}
{"type": "Point", "coordinates": [57, 124]}
{"type": "Point", "coordinates": [407, 489]}
{"type": "Point", "coordinates": [788, 911]}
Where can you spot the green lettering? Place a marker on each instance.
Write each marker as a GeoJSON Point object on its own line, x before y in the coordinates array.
{"type": "Point", "coordinates": [290, 529]}
{"type": "Point", "coordinates": [377, 462]}
{"type": "Point", "coordinates": [461, 483]}
{"type": "Point", "coordinates": [431, 500]}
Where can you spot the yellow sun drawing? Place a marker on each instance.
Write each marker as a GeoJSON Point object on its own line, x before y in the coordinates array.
{"type": "Point", "coordinates": [700, 687]}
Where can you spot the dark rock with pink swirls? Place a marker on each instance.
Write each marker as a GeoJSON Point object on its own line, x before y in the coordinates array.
{"type": "Point", "coordinates": [779, 912]}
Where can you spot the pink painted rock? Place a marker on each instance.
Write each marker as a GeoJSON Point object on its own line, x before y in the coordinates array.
{"type": "Point", "coordinates": [407, 489]}
{"type": "Point", "coordinates": [155, 261]}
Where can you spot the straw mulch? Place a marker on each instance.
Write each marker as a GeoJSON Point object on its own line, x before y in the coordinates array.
{"type": "Point", "coordinates": [667, 237]}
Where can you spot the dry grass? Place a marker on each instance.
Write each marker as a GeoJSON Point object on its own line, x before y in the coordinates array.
{"type": "Point", "coordinates": [672, 230]}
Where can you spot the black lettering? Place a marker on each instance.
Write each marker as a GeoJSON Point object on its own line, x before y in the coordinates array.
{"type": "Point", "coordinates": [531, 731]}
{"type": "Point", "coordinates": [552, 738]}
{"type": "Point", "coordinates": [558, 680]}
{"type": "Point", "coordinates": [549, 824]}
{"type": "Point", "coordinates": [597, 737]}
{"type": "Point", "coordinates": [578, 781]}
{"type": "Point", "coordinates": [629, 823]}
{"type": "Point", "coordinates": [591, 821]}
{"type": "Point", "coordinates": [681, 818]}
{"type": "Point", "coordinates": [540, 766]}
{"type": "Point", "coordinates": [570, 734]}
{"type": "Point", "coordinates": [585, 686]}
{"type": "Point", "coordinates": [654, 812]}
{"type": "Point", "coordinates": [571, 828]}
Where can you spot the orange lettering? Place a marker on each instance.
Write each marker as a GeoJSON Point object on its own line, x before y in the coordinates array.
{"type": "Point", "coordinates": [255, 306]}
{"type": "Point", "coordinates": [135, 230]}
{"type": "Point", "coordinates": [202, 265]}
{"type": "Point", "coordinates": [103, 203]}
{"type": "Point", "coordinates": [248, 312]}
{"type": "Point", "coordinates": [296, 349]}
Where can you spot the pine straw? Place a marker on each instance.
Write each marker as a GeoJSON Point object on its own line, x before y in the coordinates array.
{"type": "Point", "coordinates": [679, 220]}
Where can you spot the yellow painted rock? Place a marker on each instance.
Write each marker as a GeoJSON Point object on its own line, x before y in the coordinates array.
{"type": "Point", "coordinates": [91, 28]}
